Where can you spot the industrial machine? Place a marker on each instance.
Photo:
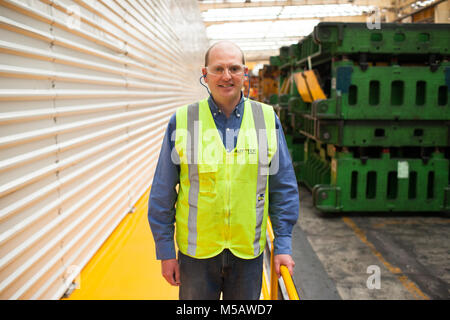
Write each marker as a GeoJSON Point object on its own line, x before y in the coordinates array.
{"type": "Point", "coordinates": [366, 114]}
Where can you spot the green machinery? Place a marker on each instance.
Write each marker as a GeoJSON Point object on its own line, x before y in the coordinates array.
{"type": "Point", "coordinates": [366, 113]}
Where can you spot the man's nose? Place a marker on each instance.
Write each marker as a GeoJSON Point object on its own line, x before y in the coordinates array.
{"type": "Point", "coordinates": [226, 73]}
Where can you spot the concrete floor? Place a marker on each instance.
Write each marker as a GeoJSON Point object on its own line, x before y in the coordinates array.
{"type": "Point", "coordinates": [369, 256]}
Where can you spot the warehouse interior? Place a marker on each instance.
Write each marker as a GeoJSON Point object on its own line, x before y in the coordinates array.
{"type": "Point", "coordinates": [361, 89]}
{"type": "Point", "coordinates": [260, 28]}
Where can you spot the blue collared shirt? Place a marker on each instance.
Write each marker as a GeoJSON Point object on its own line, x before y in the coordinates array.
{"type": "Point", "coordinates": [283, 191]}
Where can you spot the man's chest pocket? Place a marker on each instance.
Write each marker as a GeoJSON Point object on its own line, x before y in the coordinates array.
{"type": "Point", "coordinates": [207, 175]}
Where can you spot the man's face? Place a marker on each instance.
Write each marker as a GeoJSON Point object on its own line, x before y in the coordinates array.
{"type": "Point", "coordinates": [226, 86]}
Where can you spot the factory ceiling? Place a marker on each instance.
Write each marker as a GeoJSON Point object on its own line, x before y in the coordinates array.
{"type": "Point", "coordinates": [261, 27]}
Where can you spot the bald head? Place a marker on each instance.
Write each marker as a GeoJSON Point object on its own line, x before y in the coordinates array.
{"type": "Point", "coordinates": [223, 45]}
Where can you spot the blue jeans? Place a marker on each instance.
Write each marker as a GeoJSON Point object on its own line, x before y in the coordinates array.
{"type": "Point", "coordinates": [235, 278]}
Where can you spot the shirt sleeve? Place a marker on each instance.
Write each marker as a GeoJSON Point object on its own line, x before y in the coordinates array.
{"type": "Point", "coordinates": [284, 203]}
{"type": "Point", "coordinates": [163, 195]}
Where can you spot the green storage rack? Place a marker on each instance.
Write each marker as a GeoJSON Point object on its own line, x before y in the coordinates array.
{"type": "Point", "coordinates": [380, 141]}
{"type": "Point", "coordinates": [330, 39]}
{"type": "Point", "coordinates": [385, 184]}
{"type": "Point", "coordinates": [386, 92]}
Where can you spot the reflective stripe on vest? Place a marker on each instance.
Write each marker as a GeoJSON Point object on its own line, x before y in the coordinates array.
{"type": "Point", "coordinates": [192, 154]}
{"type": "Point", "coordinates": [190, 198]}
{"type": "Point", "coordinates": [263, 169]}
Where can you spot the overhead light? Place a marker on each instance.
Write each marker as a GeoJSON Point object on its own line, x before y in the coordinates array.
{"type": "Point", "coordinates": [421, 4]}
{"type": "Point", "coordinates": [237, 1]}
{"type": "Point", "coordinates": [261, 29]}
{"type": "Point", "coordinates": [286, 12]}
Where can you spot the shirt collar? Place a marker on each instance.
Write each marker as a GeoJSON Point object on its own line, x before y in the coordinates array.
{"type": "Point", "coordinates": [215, 110]}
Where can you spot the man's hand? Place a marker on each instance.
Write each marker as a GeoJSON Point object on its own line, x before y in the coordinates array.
{"type": "Point", "coordinates": [285, 260]}
{"type": "Point", "coordinates": [171, 271]}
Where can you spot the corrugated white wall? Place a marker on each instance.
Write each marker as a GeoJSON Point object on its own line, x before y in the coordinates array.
{"type": "Point", "coordinates": [86, 90]}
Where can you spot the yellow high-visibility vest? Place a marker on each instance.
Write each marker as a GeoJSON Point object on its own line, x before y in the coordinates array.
{"type": "Point", "coordinates": [223, 196]}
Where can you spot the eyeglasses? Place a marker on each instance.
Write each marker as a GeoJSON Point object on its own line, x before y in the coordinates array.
{"type": "Point", "coordinates": [218, 70]}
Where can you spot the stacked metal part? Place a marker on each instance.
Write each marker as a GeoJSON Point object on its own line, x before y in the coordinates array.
{"type": "Point", "coordinates": [367, 113]}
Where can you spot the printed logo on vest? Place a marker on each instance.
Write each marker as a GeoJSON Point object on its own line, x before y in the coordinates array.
{"type": "Point", "coordinates": [246, 150]}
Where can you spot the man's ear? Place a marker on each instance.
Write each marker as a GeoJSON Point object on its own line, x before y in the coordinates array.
{"type": "Point", "coordinates": [204, 72]}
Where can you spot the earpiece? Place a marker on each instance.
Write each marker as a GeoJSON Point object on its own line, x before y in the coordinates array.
{"type": "Point", "coordinates": [200, 80]}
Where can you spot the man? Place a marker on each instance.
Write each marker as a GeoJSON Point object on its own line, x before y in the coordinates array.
{"type": "Point", "coordinates": [233, 172]}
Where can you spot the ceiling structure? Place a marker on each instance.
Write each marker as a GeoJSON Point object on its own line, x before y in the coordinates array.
{"type": "Point", "coordinates": [261, 27]}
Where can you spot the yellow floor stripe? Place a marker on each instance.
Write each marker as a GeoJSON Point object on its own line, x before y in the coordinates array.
{"type": "Point", "coordinates": [125, 267]}
{"type": "Point", "coordinates": [408, 284]}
